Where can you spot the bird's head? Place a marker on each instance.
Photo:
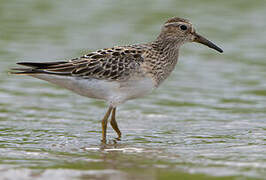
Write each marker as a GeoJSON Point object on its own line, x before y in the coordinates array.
{"type": "Point", "coordinates": [180, 31]}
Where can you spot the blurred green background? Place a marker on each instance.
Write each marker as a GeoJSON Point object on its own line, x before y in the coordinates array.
{"type": "Point", "coordinates": [207, 121]}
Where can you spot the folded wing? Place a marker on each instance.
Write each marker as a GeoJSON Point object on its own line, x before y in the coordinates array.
{"type": "Point", "coordinates": [112, 64]}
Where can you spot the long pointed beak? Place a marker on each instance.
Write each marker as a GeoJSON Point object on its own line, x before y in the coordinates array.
{"type": "Point", "coordinates": [199, 39]}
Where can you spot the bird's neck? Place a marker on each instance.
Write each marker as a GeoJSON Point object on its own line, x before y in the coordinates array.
{"type": "Point", "coordinates": [167, 48]}
{"type": "Point", "coordinates": [166, 60]}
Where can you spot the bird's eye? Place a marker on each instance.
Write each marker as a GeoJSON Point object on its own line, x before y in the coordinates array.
{"type": "Point", "coordinates": [183, 27]}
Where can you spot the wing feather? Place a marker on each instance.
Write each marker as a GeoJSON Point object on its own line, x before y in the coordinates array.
{"type": "Point", "coordinates": [113, 64]}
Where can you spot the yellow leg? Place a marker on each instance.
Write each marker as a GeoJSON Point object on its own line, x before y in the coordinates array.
{"type": "Point", "coordinates": [114, 124]}
{"type": "Point", "coordinates": [104, 124]}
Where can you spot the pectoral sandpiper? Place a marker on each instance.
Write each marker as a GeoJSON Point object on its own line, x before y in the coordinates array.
{"type": "Point", "coordinates": [120, 73]}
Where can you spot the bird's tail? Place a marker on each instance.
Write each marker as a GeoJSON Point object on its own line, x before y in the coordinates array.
{"type": "Point", "coordinates": [57, 68]}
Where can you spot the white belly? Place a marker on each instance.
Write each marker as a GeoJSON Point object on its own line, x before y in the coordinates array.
{"type": "Point", "coordinates": [113, 92]}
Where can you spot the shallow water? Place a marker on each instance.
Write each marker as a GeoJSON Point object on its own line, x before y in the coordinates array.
{"type": "Point", "coordinates": [207, 121]}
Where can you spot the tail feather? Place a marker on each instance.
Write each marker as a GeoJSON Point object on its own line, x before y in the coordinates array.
{"type": "Point", "coordinates": [55, 68]}
{"type": "Point", "coordinates": [41, 65]}
{"type": "Point", "coordinates": [30, 71]}
{"type": "Point", "coordinates": [25, 71]}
